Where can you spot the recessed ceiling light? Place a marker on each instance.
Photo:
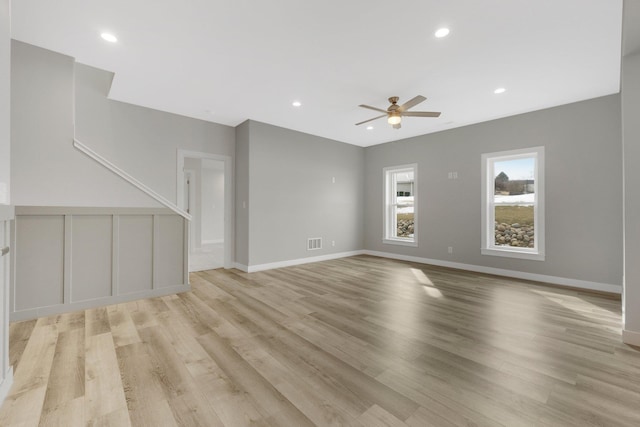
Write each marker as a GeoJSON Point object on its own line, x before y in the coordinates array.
{"type": "Point", "coordinates": [442, 32]}
{"type": "Point", "coordinates": [369, 127]}
{"type": "Point", "coordinates": [109, 37]}
{"type": "Point", "coordinates": [296, 103]}
{"type": "Point", "coordinates": [499, 91]}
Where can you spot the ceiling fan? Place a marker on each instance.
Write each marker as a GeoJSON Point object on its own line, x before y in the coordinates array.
{"type": "Point", "coordinates": [395, 112]}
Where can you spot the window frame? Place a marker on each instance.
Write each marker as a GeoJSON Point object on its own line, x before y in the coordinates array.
{"type": "Point", "coordinates": [390, 205]}
{"type": "Point", "coordinates": [489, 247]}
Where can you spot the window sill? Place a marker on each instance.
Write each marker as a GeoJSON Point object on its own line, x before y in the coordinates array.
{"type": "Point", "coordinates": [400, 242]}
{"type": "Point", "coordinates": [511, 253]}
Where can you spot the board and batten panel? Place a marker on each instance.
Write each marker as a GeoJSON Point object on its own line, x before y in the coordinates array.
{"type": "Point", "coordinates": [70, 259]}
{"type": "Point", "coordinates": [169, 249]}
{"type": "Point", "coordinates": [91, 257]}
{"type": "Point", "coordinates": [40, 266]}
{"type": "Point", "coordinates": [135, 254]}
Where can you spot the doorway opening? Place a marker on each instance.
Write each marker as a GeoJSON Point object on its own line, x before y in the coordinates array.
{"type": "Point", "coordinates": [204, 191]}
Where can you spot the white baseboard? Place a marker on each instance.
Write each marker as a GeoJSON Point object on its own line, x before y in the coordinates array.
{"type": "Point", "coordinates": [5, 385]}
{"type": "Point", "coordinates": [562, 281]}
{"type": "Point", "coordinates": [631, 337]}
{"type": "Point", "coordinates": [241, 267]}
{"type": "Point", "coordinates": [299, 261]}
{"type": "Point", "coordinates": [33, 313]}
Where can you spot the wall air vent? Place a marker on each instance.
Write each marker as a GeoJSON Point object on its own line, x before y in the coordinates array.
{"type": "Point", "coordinates": [314, 243]}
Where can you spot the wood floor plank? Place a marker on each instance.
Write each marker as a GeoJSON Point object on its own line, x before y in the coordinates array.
{"type": "Point", "coordinates": [25, 400]}
{"type": "Point", "coordinates": [268, 399]}
{"type": "Point", "coordinates": [96, 321]}
{"type": "Point", "coordinates": [23, 409]}
{"type": "Point", "coordinates": [378, 417]}
{"type": "Point", "coordinates": [141, 383]}
{"type": "Point", "coordinates": [360, 341]}
{"type": "Point", "coordinates": [122, 328]}
{"type": "Point", "coordinates": [422, 417]}
{"type": "Point", "coordinates": [19, 335]}
{"type": "Point", "coordinates": [104, 391]}
{"type": "Point", "coordinates": [232, 406]}
{"type": "Point", "coordinates": [117, 418]}
{"type": "Point", "coordinates": [158, 414]}
{"type": "Point", "coordinates": [66, 413]}
{"type": "Point", "coordinates": [315, 406]}
{"type": "Point", "coordinates": [66, 382]}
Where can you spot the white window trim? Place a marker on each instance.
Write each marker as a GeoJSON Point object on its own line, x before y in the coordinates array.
{"type": "Point", "coordinates": [488, 229]}
{"type": "Point", "coordinates": [386, 208]}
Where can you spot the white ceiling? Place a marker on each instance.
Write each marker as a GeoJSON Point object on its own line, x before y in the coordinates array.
{"type": "Point", "coordinates": [228, 61]}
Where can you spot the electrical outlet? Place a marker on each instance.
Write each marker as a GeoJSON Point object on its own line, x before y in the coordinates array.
{"type": "Point", "coordinates": [450, 175]}
{"type": "Point", "coordinates": [455, 175]}
{"type": "Point", "coordinates": [450, 249]}
{"type": "Point", "coordinates": [333, 243]}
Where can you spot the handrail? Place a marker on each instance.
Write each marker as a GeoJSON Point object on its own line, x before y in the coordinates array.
{"type": "Point", "coordinates": [131, 180]}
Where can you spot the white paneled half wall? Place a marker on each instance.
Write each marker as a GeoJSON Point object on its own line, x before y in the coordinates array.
{"type": "Point", "coordinates": [69, 258]}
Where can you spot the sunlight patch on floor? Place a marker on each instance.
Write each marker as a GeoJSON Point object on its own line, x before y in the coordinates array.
{"type": "Point", "coordinates": [427, 285]}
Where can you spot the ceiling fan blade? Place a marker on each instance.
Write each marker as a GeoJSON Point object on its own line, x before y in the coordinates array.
{"type": "Point", "coordinates": [370, 120]}
{"type": "Point", "coordinates": [412, 103]}
{"type": "Point", "coordinates": [374, 108]}
{"type": "Point", "coordinates": [421, 114]}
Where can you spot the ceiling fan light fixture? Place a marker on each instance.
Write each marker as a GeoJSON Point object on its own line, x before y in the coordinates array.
{"type": "Point", "coordinates": [394, 119]}
{"type": "Point", "coordinates": [442, 32]}
{"type": "Point", "coordinates": [109, 37]}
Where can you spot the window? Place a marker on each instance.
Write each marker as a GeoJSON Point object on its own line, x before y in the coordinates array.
{"type": "Point", "coordinates": [513, 203]}
{"type": "Point", "coordinates": [400, 205]}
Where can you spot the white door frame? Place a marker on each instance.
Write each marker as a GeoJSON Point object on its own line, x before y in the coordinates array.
{"type": "Point", "coordinates": [228, 195]}
{"type": "Point", "coordinates": [189, 174]}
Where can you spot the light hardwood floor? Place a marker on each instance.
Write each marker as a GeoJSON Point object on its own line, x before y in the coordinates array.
{"type": "Point", "coordinates": [361, 341]}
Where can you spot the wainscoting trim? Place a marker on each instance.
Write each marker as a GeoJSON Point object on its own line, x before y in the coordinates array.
{"type": "Point", "coordinates": [64, 263]}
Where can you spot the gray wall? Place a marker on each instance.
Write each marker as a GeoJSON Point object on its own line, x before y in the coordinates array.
{"type": "Point", "coordinates": [583, 194]}
{"type": "Point", "coordinates": [291, 196]}
{"type": "Point", "coordinates": [47, 170]}
{"type": "Point", "coordinates": [631, 138]}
